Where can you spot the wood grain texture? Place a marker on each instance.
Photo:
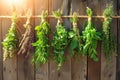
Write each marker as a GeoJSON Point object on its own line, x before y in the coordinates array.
{"type": "Point", "coordinates": [25, 68]}
{"type": "Point", "coordinates": [94, 71]}
{"type": "Point", "coordinates": [65, 72]}
{"type": "Point", "coordinates": [79, 66]}
{"type": "Point", "coordinates": [118, 57]}
{"type": "Point", "coordinates": [20, 68]}
{"type": "Point", "coordinates": [1, 54]}
{"type": "Point", "coordinates": [42, 71]}
{"type": "Point", "coordinates": [79, 69]}
{"type": "Point", "coordinates": [10, 65]}
{"type": "Point", "coordinates": [118, 46]}
{"type": "Point", "coordinates": [108, 70]}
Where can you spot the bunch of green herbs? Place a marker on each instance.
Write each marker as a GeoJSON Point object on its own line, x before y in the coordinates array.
{"type": "Point", "coordinates": [41, 45]}
{"type": "Point", "coordinates": [108, 41]}
{"type": "Point", "coordinates": [10, 42]}
{"type": "Point", "coordinates": [74, 35]}
{"type": "Point", "coordinates": [60, 40]}
{"type": "Point", "coordinates": [90, 37]}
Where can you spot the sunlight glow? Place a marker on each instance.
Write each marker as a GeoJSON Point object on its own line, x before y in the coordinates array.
{"type": "Point", "coordinates": [14, 2]}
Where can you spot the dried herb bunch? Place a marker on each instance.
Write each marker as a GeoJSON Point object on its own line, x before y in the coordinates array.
{"type": "Point", "coordinates": [90, 37]}
{"type": "Point", "coordinates": [41, 45]}
{"type": "Point", "coordinates": [74, 35]}
{"type": "Point", "coordinates": [25, 45]}
{"type": "Point", "coordinates": [10, 43]}
{"type": "Point", "coordinates": [108, 42]}
{"type": "Point", "coordinates": [60, 40]}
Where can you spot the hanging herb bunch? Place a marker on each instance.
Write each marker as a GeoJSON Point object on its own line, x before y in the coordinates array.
{"type": "Point", "coordinates": [41, 45]}
{"type": "Point", "coordinates": [60, 40]}
{"type": "Point", "coordinates": [25, 45]}
{"type": "Point", "coordinates": [74, 35]}
{"type": "Point", "coordinates": [108, 42]}
{"type": "Point", "coordinates": [90, 38]}
{"type": "Point", "coordinates": [10, 42]}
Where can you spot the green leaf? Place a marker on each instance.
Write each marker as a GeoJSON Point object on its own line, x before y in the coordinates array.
{"type": "Point", "coordinates": [41, 45]}
{"type": "Point", "coordinates": [71, 34]}
{"type": "Point", "coordinates": [74, 43]}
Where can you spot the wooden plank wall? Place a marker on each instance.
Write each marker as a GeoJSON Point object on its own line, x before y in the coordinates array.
{"type": "Point", "coordinates": [9, 66]}
{"type": "Point", "coordinates": [25, 70]}
{"type": "Point", "coordinates": [42, 72]}
{"type": "Point", "coordinates": [1, 62]}
{"type": "Point", "coordinates": [108, 71]}
{"type": "Point", "coordinates": [118, 57]}
{"type": "Point", "coordinates": [79, 67]}
{"type": "Point", "coordinates": [95, 70]}
{"type": "Point", "coordinates": [20, 68]}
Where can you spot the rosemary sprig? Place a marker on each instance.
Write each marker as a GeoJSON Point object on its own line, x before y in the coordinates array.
{"type": "Point", "coordinates": [108, 42]}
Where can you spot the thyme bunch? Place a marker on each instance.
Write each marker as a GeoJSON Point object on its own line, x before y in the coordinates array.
{"type": "Point", "coordinates": [108, 41]}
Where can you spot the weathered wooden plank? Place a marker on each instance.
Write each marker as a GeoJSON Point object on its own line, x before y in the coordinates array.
{"type": "Point", "coordinates": [1, 54]}
{"type": "Point", "coordinates": [65, 72]}
{"type": "Point", "coordinates": [118, 57]}
{"type": "Point", "coordinates": [42, 72]}
{"type": "Point", "coordinates": [94, 71]}
{"type": "Point", "coordinates": [25, 69]}
{"type": "Point", "coordinates": [79, 67]}
{"type": "Point", "coordinates": [118, 44]}
{"type": "Point", "coordinates": [40, 5]}
{"type": "Point", "coordinates": [108, 70]}
{"type": "Point", "coordinates": [9, 66]}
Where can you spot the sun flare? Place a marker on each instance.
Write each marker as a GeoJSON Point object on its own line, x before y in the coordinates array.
{"type": "Point", "coordinates": [14, 1]}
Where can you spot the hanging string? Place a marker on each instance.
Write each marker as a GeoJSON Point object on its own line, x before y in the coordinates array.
{"type": "Point", "coordinates": [51, 16]}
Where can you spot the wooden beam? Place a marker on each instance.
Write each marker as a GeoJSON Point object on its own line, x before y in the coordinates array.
{"type": "Point", "coordinates": [51, 16]}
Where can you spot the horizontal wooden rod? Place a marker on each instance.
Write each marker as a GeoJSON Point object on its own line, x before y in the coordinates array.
{"type": "Point", "coordinates": [51, 16]}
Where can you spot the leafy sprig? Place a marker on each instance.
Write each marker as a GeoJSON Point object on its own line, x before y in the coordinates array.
{"type": "Point", "coordinates": [10, 42]}
{"type": "Point", "coordinates": [108, 41]}
{"type": "Point", "coordinates": [41, 45]}
{"type": "Point", "coordinates": [90, 38]}
{"type": "Point", "coordinates": [75, 39]}
{"type": "Point", "coordinates": [60, 41]}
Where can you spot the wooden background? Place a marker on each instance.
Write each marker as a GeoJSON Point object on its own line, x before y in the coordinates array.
{"type": "Point", "coordinates": [20, 68]}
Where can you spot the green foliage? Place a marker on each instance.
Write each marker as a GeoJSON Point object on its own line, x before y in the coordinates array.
{"type": "Point", "coordinates": [10, 42]}
{"type": "Point", "coordinates": [74, 19]}
{"type": "Point", "coordinates": [41, 45]}
{"type": "Point", "coordinates": [89, 12]}
{"type": "Point", "coordinates": [90, 38]}
{"type": "Point", "coordinates": [108, 42]}
{"type": "Point", "coordinates": [57, 13]}
{"type": "Point", "coordinates": [60, 41]}
{"type": "Point", "coordinates": [75, 40]}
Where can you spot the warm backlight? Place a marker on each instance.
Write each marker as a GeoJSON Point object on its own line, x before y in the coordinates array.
{"type": "Point", "coordinates": [15, 2]}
